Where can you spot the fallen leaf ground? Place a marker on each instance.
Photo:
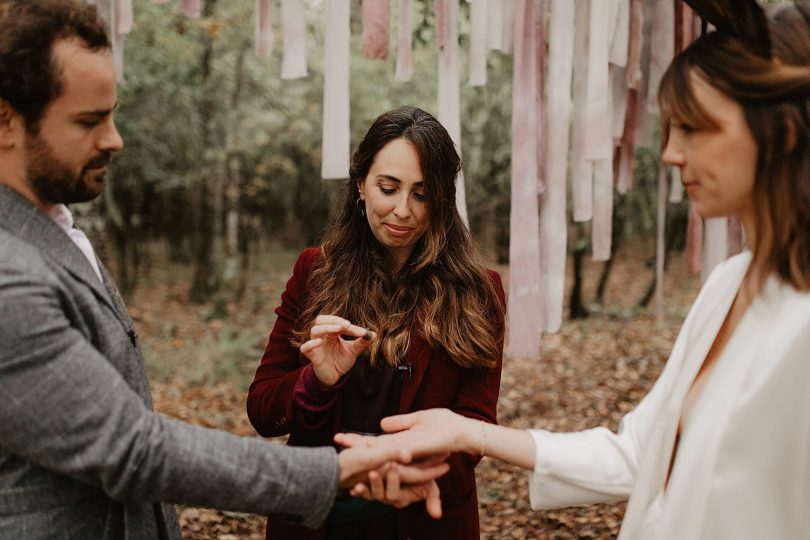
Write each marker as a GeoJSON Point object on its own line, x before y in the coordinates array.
{"type": "Point", "coordinates": [201, 359]}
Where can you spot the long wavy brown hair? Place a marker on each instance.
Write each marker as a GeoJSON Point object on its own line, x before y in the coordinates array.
{"type": "Point", "coordinates": [443, 291]}
{"type": "Point", "coordinates": [762, 62]}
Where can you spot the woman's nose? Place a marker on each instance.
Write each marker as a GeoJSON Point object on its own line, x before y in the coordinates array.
{"type": "Point", "coordinates": [672, 154]}
{"type": "Point", "coordinates": [402, 209]}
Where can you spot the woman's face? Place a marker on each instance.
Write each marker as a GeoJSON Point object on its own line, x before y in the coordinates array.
{"type": "Point", "coordinates": [718, 164]}
{"type": "Point", "coordinates": [394, 197]}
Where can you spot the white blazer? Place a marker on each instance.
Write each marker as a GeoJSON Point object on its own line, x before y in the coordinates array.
{"type": "Point", "coordinates": [742, 469]}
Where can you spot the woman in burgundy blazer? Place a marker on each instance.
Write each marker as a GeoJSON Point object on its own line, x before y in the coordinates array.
{"type": "Point", "coordinates": [399, 262]}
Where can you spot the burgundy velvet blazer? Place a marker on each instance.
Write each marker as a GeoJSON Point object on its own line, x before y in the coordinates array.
{"type": "Point", "coordinates": [436, 382]}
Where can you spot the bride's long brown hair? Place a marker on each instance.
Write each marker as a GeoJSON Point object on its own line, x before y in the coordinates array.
{"type": "Point", "coordinates": [762, 62]}
{"type": "Point", "coordinates": [443, 291]}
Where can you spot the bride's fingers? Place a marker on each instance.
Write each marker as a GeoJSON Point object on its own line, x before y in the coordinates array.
{"type": "Point", "coordinates": [351, 440]}
{"type": "Point", "coordinates": [399, 422]}
{"type": "Point", "coordinates": [432, 460]}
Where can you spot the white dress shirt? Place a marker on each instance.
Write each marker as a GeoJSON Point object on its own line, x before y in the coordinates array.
{"type": "Point", "coordinates": [62, 216]}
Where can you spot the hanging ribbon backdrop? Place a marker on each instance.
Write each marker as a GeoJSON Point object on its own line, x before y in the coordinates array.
{"type": "Point", "coordinates": [588, 67]}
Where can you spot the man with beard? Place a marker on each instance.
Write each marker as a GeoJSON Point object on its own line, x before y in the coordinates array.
{"type": "Point", "coordinates": [82, 454]}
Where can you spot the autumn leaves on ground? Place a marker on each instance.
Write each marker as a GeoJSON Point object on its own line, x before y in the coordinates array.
{"type": "Point", "coordinates": [201, 359]}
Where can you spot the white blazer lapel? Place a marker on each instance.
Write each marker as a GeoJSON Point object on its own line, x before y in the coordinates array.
{"type": "Point", "coordinates": [693, 344]}
{"type": "Point", "coordinates": [689, 490]}
{"type": "Point", "coordinates": [729, 417]}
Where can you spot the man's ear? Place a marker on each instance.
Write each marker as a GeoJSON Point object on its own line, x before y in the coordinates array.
{"type": "Point", "coordinates": [10, 123]}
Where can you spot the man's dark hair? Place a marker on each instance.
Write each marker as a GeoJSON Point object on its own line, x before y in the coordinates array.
{"type": "Point", "coordinates": [29, 76]}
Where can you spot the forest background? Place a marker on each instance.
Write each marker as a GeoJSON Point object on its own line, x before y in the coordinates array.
{"type": "Point", "coordinates": [219, 188]}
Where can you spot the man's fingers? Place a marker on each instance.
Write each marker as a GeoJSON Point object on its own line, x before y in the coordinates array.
{"type": "Point", "coordinates": [399, 455]}
{"type": "Point", "coordinates": [377, 457]}
{"type": "Point", "coordinates": [354, 461]}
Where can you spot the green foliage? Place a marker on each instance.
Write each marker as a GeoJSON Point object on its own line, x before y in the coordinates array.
{"type": "Point", "coordinates": [200, 125]}
{"type": "Point", "coordinates": [182, 127]}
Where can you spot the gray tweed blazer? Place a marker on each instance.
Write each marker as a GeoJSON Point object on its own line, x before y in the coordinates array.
{"type": "Point", "coordinates": [82, 454]}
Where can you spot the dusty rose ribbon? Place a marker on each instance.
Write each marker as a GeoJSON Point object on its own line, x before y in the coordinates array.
{"type": "Point", "coordinates": [525, 311]}
{"type": "Point", "coordinates": [335, 163]}
{"type": "Point", "coordinates": [376, 17]}
{"type": "Point", "coordinates": [553, 223]}
{"type": "Point", "coordinates": [404, 69]}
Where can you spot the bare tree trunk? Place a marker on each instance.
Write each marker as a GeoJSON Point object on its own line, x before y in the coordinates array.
{"type": "Point", "coordinates": [676, 224]}
{"type": "Point", "coordinates": [616, 237]}
{"type": "Point", "coordinates": [123, 236]}
{"type": "Point", "coordinates": [577, 306]}
{"type": "Point", "coordinates": [235, 270]}
{"type": "Point", "coordinates": [204, 282]}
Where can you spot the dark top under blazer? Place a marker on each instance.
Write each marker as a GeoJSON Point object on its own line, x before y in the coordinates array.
{"type": "Point", "coordinates": [436, 382]}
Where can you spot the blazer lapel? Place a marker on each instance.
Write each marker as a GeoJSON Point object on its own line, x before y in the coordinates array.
{"type": "Point", "coordinates": [704, 329]}
{"type": "Point", "coordinates": [699, 332]}
{"type": "Point", "coordinates": [115, 298]}
{"type": "Point", "coordinates": [711, 411]}
{"type": "Point", "coordinates": [22, 219]}
{"type": "Point", "coordinates": [701, 335]}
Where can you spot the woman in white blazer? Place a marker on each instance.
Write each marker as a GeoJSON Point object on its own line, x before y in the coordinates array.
{"type": "Point", "coordinates": [720, 447]}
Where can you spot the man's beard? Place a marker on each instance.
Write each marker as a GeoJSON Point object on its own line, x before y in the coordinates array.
{"type": "Point", "coordinates": [54, 182]}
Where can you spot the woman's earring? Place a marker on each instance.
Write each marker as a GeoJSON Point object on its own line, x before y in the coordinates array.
{"type": "Point", "coordinates": [361, 206]}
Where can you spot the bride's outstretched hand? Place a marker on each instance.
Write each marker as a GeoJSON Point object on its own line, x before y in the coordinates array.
{"type": "Point", "coordinates": [423, 433]}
